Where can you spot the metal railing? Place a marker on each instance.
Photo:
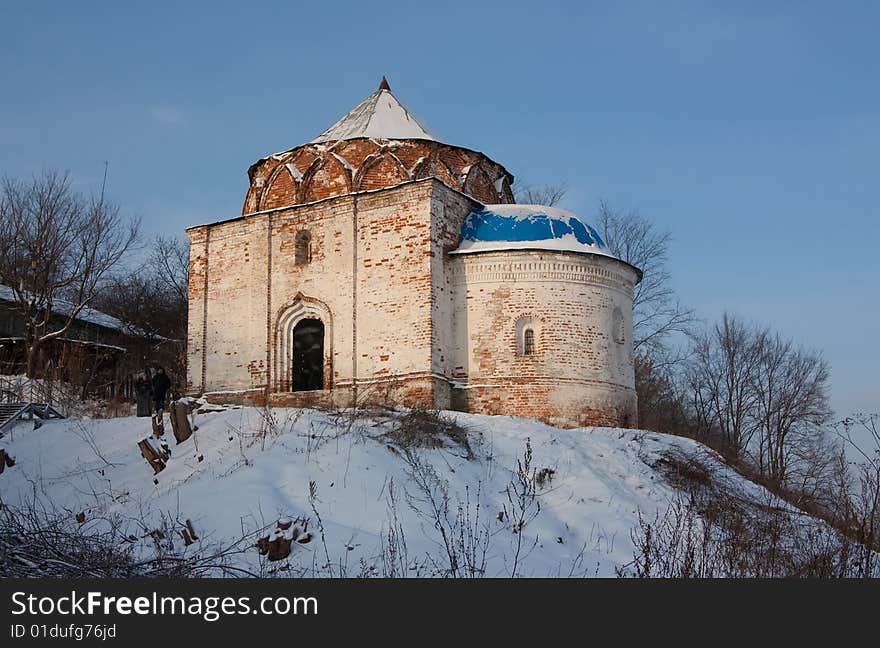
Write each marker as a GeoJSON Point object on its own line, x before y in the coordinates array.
{"type": "Point", "coordinates": [20, 389]}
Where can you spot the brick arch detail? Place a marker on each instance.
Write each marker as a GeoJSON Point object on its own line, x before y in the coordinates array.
{"type": "Point", "coordinates": [274, 193]}
{"type": "Point", "coordinates": [317, 171]}
{"type": "Point", "coordinates": [286, 319]}
{"type": "Point", "coordinates": [479, 184]}
{"type": "Point", "coordinates": [327, 176]}
{"type": "Point", "coordinates": [382, 160]}
{"type": "Point", "coordinates": [434, 166]}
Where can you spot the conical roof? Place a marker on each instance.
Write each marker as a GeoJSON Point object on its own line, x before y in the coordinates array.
{"type": "Point", "coordinates": [380, 115]}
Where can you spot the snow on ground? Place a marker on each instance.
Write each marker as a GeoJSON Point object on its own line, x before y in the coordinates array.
{"type": "Point", "coordinates": [246, 481]}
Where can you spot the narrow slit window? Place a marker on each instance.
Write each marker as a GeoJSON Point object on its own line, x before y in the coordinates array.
{"type": "Point", "coordinates": [303, 252]}
{"type": "Point", "coordinates": [618, 326]}
{"type": "Point", "coordinates": [529, 342]}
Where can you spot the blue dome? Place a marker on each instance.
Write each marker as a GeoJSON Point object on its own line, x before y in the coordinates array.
{"type": "Point", "coordinates": [528, 227]}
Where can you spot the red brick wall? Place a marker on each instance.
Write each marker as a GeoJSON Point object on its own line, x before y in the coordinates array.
{"type": "Point", "coordinates": [552, 402]}
{"type": "Point", "coordinates": [317, 171]}
{"type": "Point", "coordinates": [579, 374]}
{"type": "Point", "coordinates": [369, 271]}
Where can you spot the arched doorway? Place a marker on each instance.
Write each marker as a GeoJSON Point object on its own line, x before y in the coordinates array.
{"type": "Point", "coordinates": [308, 355]}
{"type": "Point", "coordinates": [308, 371]}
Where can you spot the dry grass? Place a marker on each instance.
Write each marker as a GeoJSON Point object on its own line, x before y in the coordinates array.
{"type": "Point", "coordinates": [421, 428]}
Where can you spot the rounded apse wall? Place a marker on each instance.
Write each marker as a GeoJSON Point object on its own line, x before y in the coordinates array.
{"type": "Point", "coordinates": [545, 335]}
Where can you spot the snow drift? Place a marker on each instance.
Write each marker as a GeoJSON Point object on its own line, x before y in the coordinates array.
{"type": "Point", "coordinates": [514, 496]}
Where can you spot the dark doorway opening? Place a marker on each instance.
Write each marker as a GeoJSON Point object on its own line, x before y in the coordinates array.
{"type": "Point", "coordinates": [308, 355]}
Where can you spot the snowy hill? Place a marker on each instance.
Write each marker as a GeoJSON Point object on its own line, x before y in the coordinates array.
{"type": "Point", "coordinates": [349, 475]}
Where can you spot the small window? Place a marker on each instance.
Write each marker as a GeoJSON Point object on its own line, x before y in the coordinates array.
{"type": "Point", "coordinates": [527, 332]}
{"type": "Point", "coordinates": [303, 253]}
{"type": "Point", "coordinates": [529, 342]}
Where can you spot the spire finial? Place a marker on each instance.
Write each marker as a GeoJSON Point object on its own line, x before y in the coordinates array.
{"type": "Point", "coordinates": [384, 84]}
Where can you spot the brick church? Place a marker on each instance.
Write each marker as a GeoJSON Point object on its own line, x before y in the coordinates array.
{"type": "Point", "coordinates": [378, 262]}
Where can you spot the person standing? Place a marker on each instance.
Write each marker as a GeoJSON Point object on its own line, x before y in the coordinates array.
{"type": "Point", "coordinates": [161, 384]}
{"type": "Point", "coordinates": [143, 390]}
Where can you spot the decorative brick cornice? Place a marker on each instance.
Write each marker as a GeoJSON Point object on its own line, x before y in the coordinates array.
{"type": "Point", "coordinates": [520, 265]}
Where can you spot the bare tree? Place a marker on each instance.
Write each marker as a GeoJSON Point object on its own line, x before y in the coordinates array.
{"type": "Point", "coordinates": [662, 394]}
{"type": "Point", "coordinates": [790, 400]}
{"type": "Point", "coordinates": [154, 297]}
{"type": "Point", "coordinates": [657, 313]}
{"type": "Point", "coordinates": [154, 301]}
{"type": "Point", "coordinates": [720, 374]}
{"type": "Point", "coordinates": [57, 247]}
{"type": "Point", "coordinates": [860, 505]}
{"type": "Point", "coordinates": [169, 258]}
{"type": "Point", "coordinates": [766, 397]}
{"type": "Point", "coordinates": [549, 195]}
{"type": "Point", "coordinates": [868, 425]}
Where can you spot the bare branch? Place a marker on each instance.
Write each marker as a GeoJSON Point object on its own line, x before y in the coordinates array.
{"type": "Point", "coordinates": [549, 195]}
{"type": "Point", "coordinates": [657, 314]}
{"type": "Point", "coordinates": [57, 247]}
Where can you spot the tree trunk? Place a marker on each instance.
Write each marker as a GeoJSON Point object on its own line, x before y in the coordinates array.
{"type": "Point", "coordinates": [33, 353]}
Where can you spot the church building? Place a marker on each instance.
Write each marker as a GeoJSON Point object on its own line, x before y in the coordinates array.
{"type": "Point", "coordinates": [378, 263]}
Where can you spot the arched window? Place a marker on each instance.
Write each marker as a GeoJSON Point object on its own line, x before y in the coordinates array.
{"type": "Point", "coordinates": [303, 252]}
{"type": "Point", "coordinates": [528, 341]}
{"type": "Point", "coordinates": [528, 334]}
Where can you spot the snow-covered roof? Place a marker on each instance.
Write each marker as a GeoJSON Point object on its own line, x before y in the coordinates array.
{"type": "Point", "coordinates": [380, 115]}
{"type": "Point", "coordinates": [528, 227]}
{"type": "Point", "coordinates": [89, 315]}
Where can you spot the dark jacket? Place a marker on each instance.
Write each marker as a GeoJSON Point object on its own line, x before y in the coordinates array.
{"type": "Point", "coordinates": [143, 386]}
{"type": "Point", "coordinates": [161, 383]}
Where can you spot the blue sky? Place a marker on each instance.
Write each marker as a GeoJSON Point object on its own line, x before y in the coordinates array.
{"type": "Point", "coordinates": [751, 130]}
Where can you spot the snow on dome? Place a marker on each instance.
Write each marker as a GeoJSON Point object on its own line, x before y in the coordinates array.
{"type": "Point", "coordinates": [380, 115]}
{"type": "Point", "coordinates": [528, 227]}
